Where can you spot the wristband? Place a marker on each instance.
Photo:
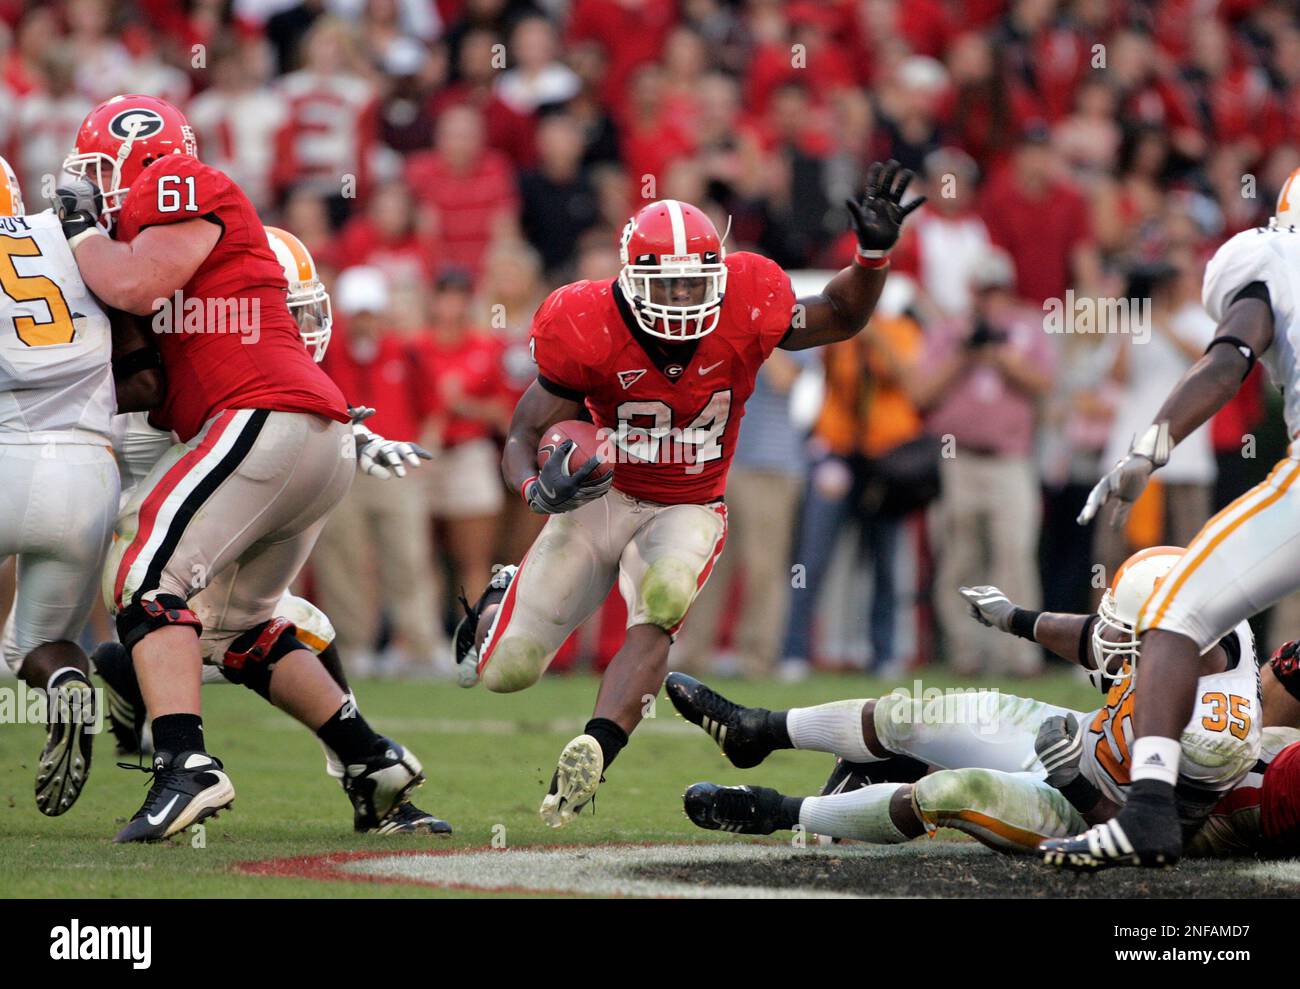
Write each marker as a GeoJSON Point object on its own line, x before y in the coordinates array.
{"type": "Point", "coordinates": [871, 260]}
{"type": "Point", "coordinates": [92, 230]}
{"type": "Point", "coordinates": [523, 488]}
{"type": "Point", "coordinates": [1022, 623]}
{"type": "Point", "coordinates": [1083, 796]}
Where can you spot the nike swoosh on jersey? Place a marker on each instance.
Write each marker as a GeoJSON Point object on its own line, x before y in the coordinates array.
{"type": "Point", "coordinates": [706, 370]}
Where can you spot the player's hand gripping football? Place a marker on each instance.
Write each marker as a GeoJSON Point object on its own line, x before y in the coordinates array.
{"type": "Point", "coordinates": [379, 457]}
{"type": "Point", "coordinates": [989, 606]}
{"type": "Point", "coordinates": [1125, 482]}
{"type": "Point", "coordinates": [554, 492]}
{"type": "Point", "coordinates": [878, 217]}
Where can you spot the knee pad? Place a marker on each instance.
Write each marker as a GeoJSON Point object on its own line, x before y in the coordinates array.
{"type": "Point", "coordinates": [251, 657]}
{"type": "Point", "coordinates": [514, 663]}
{"type": "Point", "coordinates": [138, 619]}
{"type": "Point", "coordinates": [667, 590]}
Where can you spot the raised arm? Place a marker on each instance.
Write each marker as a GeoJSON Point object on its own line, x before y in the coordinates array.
{"type": "Point", "coordinates": [843, 307]}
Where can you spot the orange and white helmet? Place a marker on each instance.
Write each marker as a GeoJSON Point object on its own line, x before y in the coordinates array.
{"type": "Point", "coordinates": [1135, 581]}
{"type": "Point", "coordinates": [1288, 203]}
{"type": "Point", "coordinates": [11, 195]}
{"type": "Point", "coordinates": [664, 244]}
{"type": "Point", "coordinates": [308, 300]}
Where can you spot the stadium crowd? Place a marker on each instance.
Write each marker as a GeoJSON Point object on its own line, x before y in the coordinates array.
{"type": "Point", "coordinates": [448, 162]}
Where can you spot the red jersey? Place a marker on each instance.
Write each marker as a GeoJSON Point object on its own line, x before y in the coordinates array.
{"type": "Point", "coordinates": [673, 410]}
{"type": "Point", "coordinates": [228, 340]}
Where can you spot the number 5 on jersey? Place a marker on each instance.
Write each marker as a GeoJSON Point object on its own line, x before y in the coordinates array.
{"type": "Point", "coordinates": [31, 330]}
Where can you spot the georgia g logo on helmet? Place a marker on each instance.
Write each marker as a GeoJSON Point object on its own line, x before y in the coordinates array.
{"type": "Point", "coordinates": [136, 122]}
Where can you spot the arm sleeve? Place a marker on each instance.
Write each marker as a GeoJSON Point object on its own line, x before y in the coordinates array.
{"type": "Point", "coordinates": [1251, 256]}
{"type": "Point", "coordinates": [774, 303]}
{"type": "Point", "coordinates": [557, 370]}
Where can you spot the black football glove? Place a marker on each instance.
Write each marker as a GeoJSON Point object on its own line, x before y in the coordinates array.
{"type": "Point", "coordinates": [554, 492]}
{"type": "Point", "coordinates": [77, 203]}
{"type": "Point", "coordinates": [878, 217]}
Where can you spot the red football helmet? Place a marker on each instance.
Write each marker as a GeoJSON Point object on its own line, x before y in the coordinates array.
{"type": "Point", "coordinates": [673, 272]}
{"type": "Point", "coordinates": [123, 136]}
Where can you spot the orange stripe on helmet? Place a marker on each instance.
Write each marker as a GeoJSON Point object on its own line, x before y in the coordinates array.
{"type": "Point", "coordinates": [297, 251]}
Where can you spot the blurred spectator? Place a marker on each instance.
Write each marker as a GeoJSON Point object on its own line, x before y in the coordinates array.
{"type": "Point", "coordinates": [980, 383]}
{"type": "Point", "coordinates": [328, 136]}
{"type": "Point", "coordinates": [868, 411]}
{"type": "Point", "coordinates": [1041, 221]}
{"type": "Point", "coordinates": [945, 240]}
{"type": "Point", "coordinates": [103, 65]}
{"type": "Point", "coordinates": [467, 188]}
{"type": "Point", "coordinates": [412, 75]}
{"type": "Point", "coordinates": [46, 124]}
{"type": "Point", "coordinates": [387, 236]}
{"type": "Point", "coordinates": [630, 32]}
{"type": "Point", "coordinates": [558, 202]}
{"type": "Point", "coordinates": [538, 79]}
{"type": "Point", "coordinates": [479, 61]}
{"type": "Point", "coordinates": [463, 364]}
{"type": "Point", "coordinates": [373, 558]}
{"type": "Point", "coordinates": [238, 118]}
{"type": "Point", "coordinates": [1165, 336]}
{"type": "Point", "coordinates": [763, 491]}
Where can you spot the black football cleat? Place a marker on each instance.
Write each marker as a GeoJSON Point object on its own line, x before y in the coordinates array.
{"type": "Point", "coordinates": [187, 788]}
{"type": "Point", "coordinates": [126, 709]}
{"type": "Point", "coordinates": [464, 652]}
{"type": "Point", "coordinates": [406, 818]}
{"type": "Point", "coordinates": [848, 776]}
{"type": "Point", "coordinates": [741, 732]}
{"type": "Point", "coordinates": [739, 809]}
{"type": "Point", "coordinates": [71, 724]}
{"type": "Point", "coordinates": [379, 784]}
{"type": "Point", "coordinates": [1145, 833]}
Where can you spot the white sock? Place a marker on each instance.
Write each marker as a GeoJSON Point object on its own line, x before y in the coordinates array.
{"type": "Point", "coordinates": [1156, 758]}
{"type": "Point", "coordinates": [835, 727]}
{"type": "Point", "coordinates": [862, 814]}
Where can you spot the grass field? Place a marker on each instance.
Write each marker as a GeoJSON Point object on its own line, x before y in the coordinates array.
{"type": "Point", "coordinates": [488, 759]}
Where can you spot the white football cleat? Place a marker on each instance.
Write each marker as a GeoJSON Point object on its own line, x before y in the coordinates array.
{"type": "Point", "coordinates": [577, 775]}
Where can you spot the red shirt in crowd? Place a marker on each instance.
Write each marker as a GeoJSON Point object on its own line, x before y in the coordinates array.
{"type": "Point", "coordinates": [631, 33]}
{"type": "Point", "coordinates": [384, 375]}
{"type": "Point", "coordinates": [470, 366]}
{"type": "Point", "coordinates": [467, 204]}
{"type": "Point", "coordinates": [1040, 232]}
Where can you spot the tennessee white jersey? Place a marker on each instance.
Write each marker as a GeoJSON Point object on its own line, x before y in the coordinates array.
{"type": "Point", "coordinates": [1271, 256]}
{"type": "Point", "coordinates": [1220, 743]}
{"type": "Point", "coordinates": [56, 346]}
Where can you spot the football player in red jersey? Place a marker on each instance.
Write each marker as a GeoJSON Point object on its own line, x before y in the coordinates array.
{"type": "Point", "coordinates": [662, 358]}
{"type": "Point", "coordinates": [265, 453]}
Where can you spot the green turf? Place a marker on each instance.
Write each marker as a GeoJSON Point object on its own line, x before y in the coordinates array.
{"type": "Point", "coordinates": [487, 757]}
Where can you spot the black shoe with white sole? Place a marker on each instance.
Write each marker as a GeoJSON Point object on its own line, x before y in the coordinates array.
{"type": "Point", "coordinates": [848, 776]}
{"type": "Point", "coordinates": [406, 818]}
{"type": "Point", "coordinates": [71, 724]}
{"type": "Point", "coordinates": [379, 784]}
{"type": "Point", "coordinates": [187, 788]}
{"type": "Point", "coordinates": [125, 702]}
{"type": "Point", "coordinates": [743, 733]}
{"type": "Point", "coordinates": [740, 809]}
{"type": "Point", "coordinates": [1146, 833]}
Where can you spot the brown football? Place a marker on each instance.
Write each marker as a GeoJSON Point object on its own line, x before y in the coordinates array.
{"type": "Point", "coordinates": [588, 442]}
